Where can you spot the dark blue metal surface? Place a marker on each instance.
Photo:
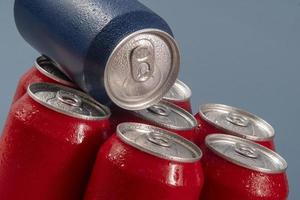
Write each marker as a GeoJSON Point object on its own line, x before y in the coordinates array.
{"type": "Point", "coordinates": [80, 34]}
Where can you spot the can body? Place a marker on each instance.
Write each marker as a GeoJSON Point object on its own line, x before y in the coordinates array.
{"type": "Point", "coordinates": [228, 181]}
{"type": "Point", "coordinates": [135, 175]}
{"type": "Point", "coordinates": [45, 154]}
{"type": "Point", "coordinates": [121, 115]}
{"type": "Point", "coordinates": [206, 129]}
{"type": "Point", "coordinates": [38, 73]}
{"type": "Point", "coordinates": [82, 35]}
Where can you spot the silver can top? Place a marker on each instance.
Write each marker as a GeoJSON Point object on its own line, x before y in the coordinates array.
{"type": "Point", "coordinates": [68, 101]}
{"type": "Point", "coordinates": [237, 122]}
{"type": "Point", "coordinates": [246, 153]}
{"type": "Point", "coordinates": [142, 69]}
{"type": "Point", "coordinates": [179, 92]}
{"type": "Point", "coordinates": [47, 67]}
{"type": "Point", "coordinates": [158, 142]}
{"type": "Point", "coordinates": [169, 116]}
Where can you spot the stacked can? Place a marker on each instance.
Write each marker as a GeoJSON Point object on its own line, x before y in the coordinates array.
{"type": "Point", "coordinates": [219, 118]}
{"type": "Point", "coordinates": [145, 162]}
{"type": "Point", "coordinates": [115, 50]}
{"type": "Point", "coordinates": [180, 94]}
{"type": "Point", "coordinates": [237, 169]}
{"type": "Point", "coordinates": [49, 143]}
{"type": "Point", "coordinates": [165, 115]}
{"type": "Point", "coordinates": [44, 70]}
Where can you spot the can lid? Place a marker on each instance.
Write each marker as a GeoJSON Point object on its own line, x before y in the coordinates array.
{"type": "Point", "coordinates": [158, 142]}
{"type": "Point", "coordinates": [237, 122]}
{"type": "Point", "coordinates": [47, 67]}
{"type": "Point", "coordinates": [67, 101]}
{"type": "Point", "coordinates": [168, 115]}
{"type": "Point", "coordinates": [179, 92]}
{"type": "Point", "coordinates": [142, 69]}
{"type": "Point", "coordinates": [246, 153]}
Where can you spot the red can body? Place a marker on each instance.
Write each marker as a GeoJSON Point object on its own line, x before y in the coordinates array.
{"type": "Point", "coordinates": [205, 128]}
{"type": "Point", "coordinates": [120, 116]}
{"type": "Point", "coordinates": [45, 154]}
{"type": "Point", "coordinates": [124, 172]}
{"type": "Point", "coordinates": [227, 181]}
{"type": "Point", "coordinates": [35, 75]}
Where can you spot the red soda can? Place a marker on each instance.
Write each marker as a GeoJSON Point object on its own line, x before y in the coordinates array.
{"type": "Point", "coordinates": [49, 143]}
{"type": "Point", "coordinates": [44, 70]}
{"type": "Point", "coordinates": [239, 169]}
{"type": "Point", "coordinates": [180, 94]}
{"type": "Point", "coordinates": [143, 162]}
{"type": "Point", "coordinates": [164, 115]}
{"type": "Point", "coordinates": [219, 118]}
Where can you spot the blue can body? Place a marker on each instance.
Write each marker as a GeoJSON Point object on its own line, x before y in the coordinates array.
{"type": "Point", "coordinates": [80, 35]}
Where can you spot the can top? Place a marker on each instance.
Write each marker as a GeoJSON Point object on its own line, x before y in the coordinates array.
{"type": "Point", "coordinates": [68, 101]}
{"type": "Point", "coordinates": [159, 142]}
{"type": "Point", "coordinates": [142, 69]}
{"type": "Point", "coordinates": [47, 67]}
{"type": "Point", "coordinates": [237, 122]}
{"type": "Point", "coordinates": [246, 153]}
{"type": "Point", "coordinates": [168, 115]}
{"type": "Point", "coordinates": [179, 92]}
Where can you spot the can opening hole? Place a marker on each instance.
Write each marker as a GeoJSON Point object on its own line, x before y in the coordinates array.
{"type": "Point", "coordinates": [237, 119]}
{"type": "Point", "coordinates": [68, 98]}
{"type": "Point", "coordinates": [246, 150]}
{"type": "Point", "coordinates": [159, 110]}
{"type": "Point", "coordinates": [159, 139]}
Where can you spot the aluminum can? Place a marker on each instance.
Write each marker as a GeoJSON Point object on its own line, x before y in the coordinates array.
{"type": "Point", "coordinates": [219, 118]}
{"type": "Point", "coordinates": [49, 143]}
{"type": "Point", "coordinates": [115, 50]}
{"type": "Point", "coordinates": [44, 70]}
{"type": "Point", "coordinates": [164, 115]}
{"type": "Point", "coordinates": [180, 94]}
{"type": "Point", "coordinates": [145, 162]}
{"type": "Point", "coordinates": [237, 168]}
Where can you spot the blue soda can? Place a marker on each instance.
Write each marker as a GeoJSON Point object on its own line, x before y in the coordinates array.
{"type": "Point", "coordinates": [116, 50]}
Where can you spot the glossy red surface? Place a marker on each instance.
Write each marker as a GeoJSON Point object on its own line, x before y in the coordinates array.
{"type": "Point", "coordinates": [123, 172]}
{"type": "Point", "coordinates": [186, 105]}
{"type": "Point", "coordinates": [31, 76]}
{"type": "Point", "coordinates": [205, 129]}
{"type": "Point", "coordinates": [119, 116]}
{"type": "Point", "coordinates": [45, 155]}
{"type": "Point", "coordinates": [227, 181]}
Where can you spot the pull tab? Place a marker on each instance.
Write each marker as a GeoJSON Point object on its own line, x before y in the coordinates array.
{"type": "Point", "coordinates": [159, 139]}
{"type": "Point", "coordinates": [245, 150]}
{"type": "Point", "coordinates": [159, 110]}
{"type": "Point", "coordinates": [237, 119]}
{"type": "Point", "coordinates": [142, 61]}
{"type": "Point", "coordinates": [68, 98]}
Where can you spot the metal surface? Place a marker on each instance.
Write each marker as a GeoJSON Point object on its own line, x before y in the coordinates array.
{"type": "Point", "coordinates": [179, 92]}
{"type": "Point", "coordinates": [237, 121]}
{"type": "Point", "coordinates": [169, 116]}
{"type": "Point", "coordinates": [246, 153]}
{"type": "Point", "coordinates": [50, 69]}
{"type": "Point", "coordinates": [142, 69]}
{"type": "Point", "coordinates": [68, 101]}
{"type": "Point", "coordinates": [158, 142]}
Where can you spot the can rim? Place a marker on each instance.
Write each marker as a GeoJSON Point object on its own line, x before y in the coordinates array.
{"type": "Point", "coordinates": [37, 65]}
{"type": "Point", "coordinates": [182, 112]}
{"type": "Point", "coordinates": [105, 109]}
{"type": "Point", "coordinates": [187, 90]}
{"type": "Point", "coordinates": [266, 125]}
{"type": "Point", "coordinates": [188, 144]}
{"type": "Point", "coordinates": [169, 82]}
{"type": "Point", "coordinates": [219, 136]}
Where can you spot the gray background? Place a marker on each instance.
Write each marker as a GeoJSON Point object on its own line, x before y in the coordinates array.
{"type": "Point", "coordinates": [244, 53]}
